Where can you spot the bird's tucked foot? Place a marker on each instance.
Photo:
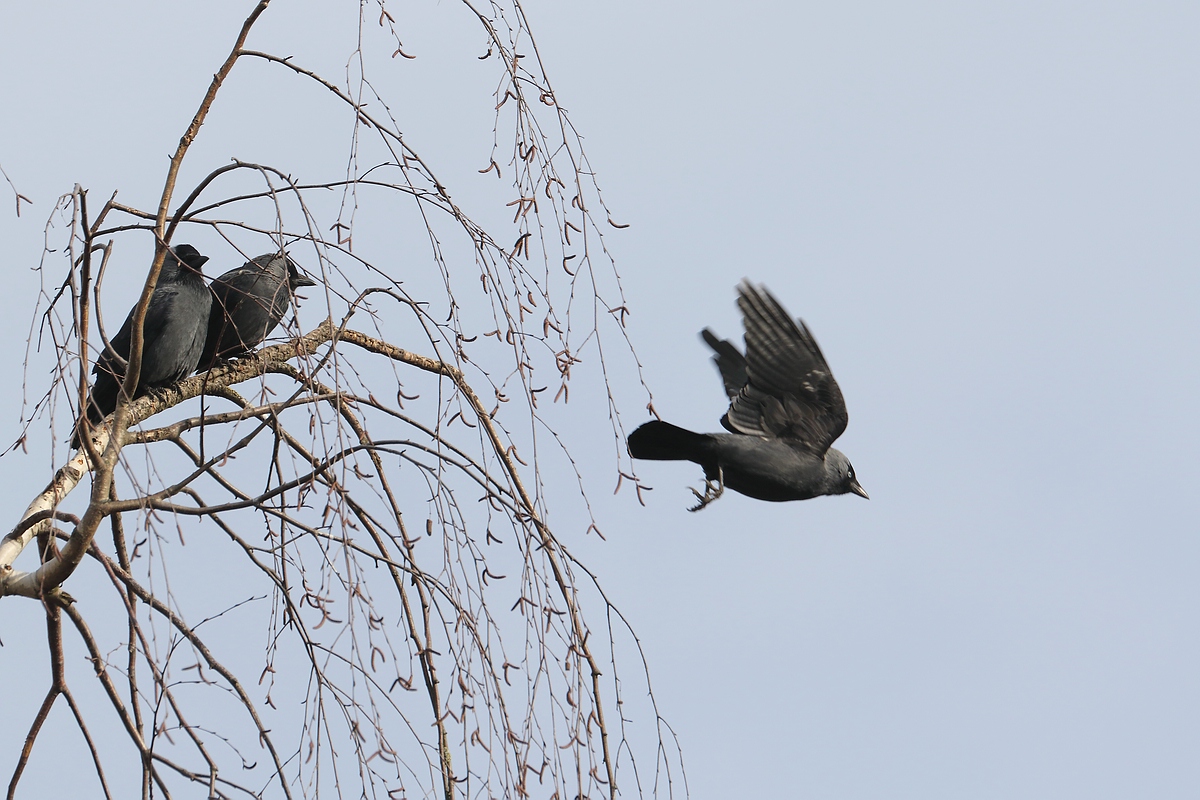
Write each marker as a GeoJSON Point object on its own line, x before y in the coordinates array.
{"type": "Point", "coordinates": [711, 491]}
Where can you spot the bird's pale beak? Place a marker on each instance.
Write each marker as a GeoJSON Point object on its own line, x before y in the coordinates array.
{"type": "Point", "coordinates": [856, 487]}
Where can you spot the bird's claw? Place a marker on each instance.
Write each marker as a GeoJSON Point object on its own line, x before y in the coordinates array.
{"type": "Point", "coordinates": [711, 491]}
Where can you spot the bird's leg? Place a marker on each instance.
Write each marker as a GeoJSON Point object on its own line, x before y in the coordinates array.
{"type": "Point", "coordinates": [711, 490]}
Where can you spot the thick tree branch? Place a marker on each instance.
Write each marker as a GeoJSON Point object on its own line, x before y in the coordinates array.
{"type": "Point", "coordinates": [55, 571]}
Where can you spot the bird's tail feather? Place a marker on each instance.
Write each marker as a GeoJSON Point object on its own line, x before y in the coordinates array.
{"type": "Point", "coordinates": [662, 441]}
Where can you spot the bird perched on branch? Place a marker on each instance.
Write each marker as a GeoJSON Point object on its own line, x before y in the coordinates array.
{"type": "Point", "coordinates": [247, 304]}
{"type": "Point", "coordinates": [172, 335]}
{"type": "Point", "coordinates": [785, 411]}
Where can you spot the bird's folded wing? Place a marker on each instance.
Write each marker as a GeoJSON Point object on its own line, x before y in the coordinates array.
{"type": "Point", "coordinates": [790, 392]}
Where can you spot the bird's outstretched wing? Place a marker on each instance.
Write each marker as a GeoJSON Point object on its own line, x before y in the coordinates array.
{"type": "Point", "coordinates": [729, 360]}
{"type": "Point", "coordinates": [789, 392]}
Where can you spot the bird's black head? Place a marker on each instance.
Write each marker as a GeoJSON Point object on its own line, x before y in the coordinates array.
{"type": "Point", "coordinates": [840, 473]}
{"type": "Point", "coordinates": [189, 256]}
{"type": "Point", "coordinates": [296, 278]}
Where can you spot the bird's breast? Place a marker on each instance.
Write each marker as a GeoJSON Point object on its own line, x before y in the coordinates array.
{"type": "Point", "coordinates": [769, 469]}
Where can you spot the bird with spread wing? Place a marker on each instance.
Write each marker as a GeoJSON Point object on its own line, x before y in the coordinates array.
{"type": "Point", "coordinates": [785, 412]}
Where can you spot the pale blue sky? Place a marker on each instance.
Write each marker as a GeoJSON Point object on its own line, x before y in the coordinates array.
{"type": "Point", "coordinates": [987, 214]}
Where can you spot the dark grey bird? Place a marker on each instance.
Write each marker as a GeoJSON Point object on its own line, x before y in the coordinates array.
{"type": "Point", "coordinates": [172, 335]}
{"type": "Point", "coordinates": [785, 411]}
{"type": "Point", "coordinates": [247, 304]}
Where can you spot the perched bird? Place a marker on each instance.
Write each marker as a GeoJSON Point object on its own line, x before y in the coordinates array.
{"type": "Point", "coordinates": [172, 334]}
{"type": "Point", "coordinates": [785, 412]}
{"type": "Point", "coordinates": [247, 304]}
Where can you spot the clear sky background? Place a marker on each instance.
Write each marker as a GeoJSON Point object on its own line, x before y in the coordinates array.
{"type": "Point", "coordinates": [988, 215]}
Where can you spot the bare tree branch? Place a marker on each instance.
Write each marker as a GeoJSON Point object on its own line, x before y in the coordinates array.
{"type": "Point", "coordinates": [385, 610]}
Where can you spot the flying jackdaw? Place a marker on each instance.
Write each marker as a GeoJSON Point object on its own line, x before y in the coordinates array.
{"type": "Point", "coordinates": [785, 412]}
{"type": "Point", "coordinates": [247, 304]}
{"type": "Point", "coordinates": [172, 335]}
